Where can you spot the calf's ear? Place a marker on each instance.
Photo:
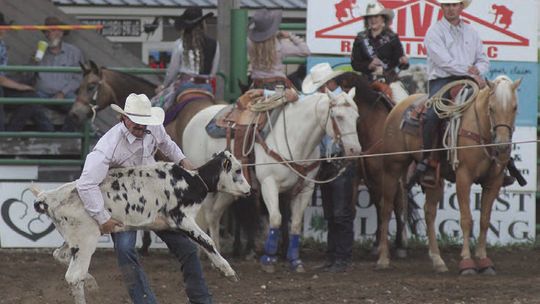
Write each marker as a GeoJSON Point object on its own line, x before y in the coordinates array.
{"type": "Point", "coordinates": [227, 165]}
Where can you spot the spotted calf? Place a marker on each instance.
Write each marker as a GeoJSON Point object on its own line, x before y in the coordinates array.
{"type": "Point", "coordinates": [156, 197]}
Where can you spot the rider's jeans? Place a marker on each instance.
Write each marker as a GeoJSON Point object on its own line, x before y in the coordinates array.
{"type": "Point", "coordinates": [183, 249]}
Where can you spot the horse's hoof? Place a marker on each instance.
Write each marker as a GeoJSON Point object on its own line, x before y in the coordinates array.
{"type": "Point", "coordinates": [401, 253]}
{"type": "Point", "coordinates": [441, 269]}
{"type": "Point", "coordinates": [467, 267]}
{"type": "Point", "coordinates": [488, 271]}
{"type": "Point", "coordinates": [250, 256]}
{"type": "Point", "coordinates": [382, 265]}
{"type": "Point", "coordinates": [486, 266]}
{"type": "Point", "coordinates": [297, 266]}
{"type": "Point", "coordinates": [90, 283]}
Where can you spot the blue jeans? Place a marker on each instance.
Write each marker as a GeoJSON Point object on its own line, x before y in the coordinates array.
{"type": "Point", "coordinates": [22, 113]}
{"type": "Point", "coordinates": [431, 120]}
{"type": "Point", "coordinates": [339, 211]}
{"type": "Point", "coordinates": [183, 249]}
{"type": "Point", "coordinates": [69, 125]}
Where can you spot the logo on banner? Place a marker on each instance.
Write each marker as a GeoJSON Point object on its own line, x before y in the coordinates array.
{"type": "Point", "coordinates": [19, 216]}
{"type": "Point", "coordinates": [412, 21]}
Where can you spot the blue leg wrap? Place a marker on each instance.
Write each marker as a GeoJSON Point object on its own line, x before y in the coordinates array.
{"type": "Point", "coordinates": [293, 252]}
{"type": "Point", "coordinates": [271, 244]}
{"type": "Point", "coordinates": [271, 247]}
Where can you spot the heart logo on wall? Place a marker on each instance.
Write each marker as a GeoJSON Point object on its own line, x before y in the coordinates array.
{"type": "Point", "coordinates": [17, 214]}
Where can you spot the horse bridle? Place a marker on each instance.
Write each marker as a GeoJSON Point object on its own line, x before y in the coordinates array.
{"type": "Point", "coordinates": [493, 128]}
{"type": "Point", "coordinates": [338, 135]}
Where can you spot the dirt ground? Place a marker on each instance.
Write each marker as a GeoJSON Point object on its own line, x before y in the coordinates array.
{"type": "Point", "coordinates": [34, 277]}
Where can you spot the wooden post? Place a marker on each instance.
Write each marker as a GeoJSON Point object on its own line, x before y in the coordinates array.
{"type": "Point", "coordinates": [224, 38]}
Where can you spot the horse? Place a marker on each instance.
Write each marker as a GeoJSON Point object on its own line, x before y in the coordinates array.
{"type": "Point", "coordinates": [490, 118]}
{"type": "Point", "coordinates": [101, 87]}
{"type": "Point", "coordinates": [295, 135]}
{"type": "Point", "coordinates": [373, 110]}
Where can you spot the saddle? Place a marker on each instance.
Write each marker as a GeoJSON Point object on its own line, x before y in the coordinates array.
{"type": "Point", "coordinates": [412, 123]}
{"type": "Point", "coordinates": [182, 100]}
{"type": "Point", "coordinates": [239, 122]}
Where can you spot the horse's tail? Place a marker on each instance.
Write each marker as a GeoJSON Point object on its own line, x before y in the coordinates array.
{"type": "Point", "coordinates": [413, 216]}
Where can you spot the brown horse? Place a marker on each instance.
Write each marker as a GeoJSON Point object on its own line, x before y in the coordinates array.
{"type": "Point", "coordinates": [373, 110]}
{"type": "Point", "coordinates": [491, 118]}
{"type": "Point", "coordinates": [101, 87]}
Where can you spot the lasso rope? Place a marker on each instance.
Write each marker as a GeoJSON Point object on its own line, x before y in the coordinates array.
{"type": "Point", "coordinates": [446, 108]}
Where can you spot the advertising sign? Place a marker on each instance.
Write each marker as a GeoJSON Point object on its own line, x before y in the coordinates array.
{"type": "Point", "coordinates": [504, 26]}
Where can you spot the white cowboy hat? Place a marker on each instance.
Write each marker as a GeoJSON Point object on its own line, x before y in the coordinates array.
{"type": "Point", "coordinates": [376, 9]}
{"type": "Point", "coordinates": [319, 74]}
{"type": "Point", "coordinates": [139, 109]}
{"type": "Point", "coordinates": [466, 3]}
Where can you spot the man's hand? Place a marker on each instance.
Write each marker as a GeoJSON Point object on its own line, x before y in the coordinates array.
{"type": "Point", "coordinates": [479, 80]}
{"type": "Point", "coordinates": [159, 88]}
{"type": "Point", "coordinates": [290, 95]}
{"type": "Point", "coordinates": [186, 164]}
{"type": "Point", "coordinates": [254, 93]}
{"type": "Point", "coordinates": [25, 87]}
{"type": "Point", "coordinates": [109, 226]}
{"type": "Point", "coordinates": [473, 70]}
{"type": "Point", "coordinates": [376, 62]}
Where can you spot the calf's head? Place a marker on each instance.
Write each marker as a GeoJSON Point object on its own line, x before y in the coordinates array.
{"type": "Point", "coordinates": [225, 171]}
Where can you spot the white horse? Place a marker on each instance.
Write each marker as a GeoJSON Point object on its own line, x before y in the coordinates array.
{"type": "Point", "coordinates": [295, 135]}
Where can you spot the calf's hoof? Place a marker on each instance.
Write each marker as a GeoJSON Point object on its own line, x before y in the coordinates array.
{"type": "Point", "coordinates": [233, 278]}
{"type": "Point", "coordinates": [467, 267]}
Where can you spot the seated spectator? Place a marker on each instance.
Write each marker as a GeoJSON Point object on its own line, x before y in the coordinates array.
{"type": "Point", "coordinates": [12, 88]}
{"type": "Point", "coordinates": [59, 53]}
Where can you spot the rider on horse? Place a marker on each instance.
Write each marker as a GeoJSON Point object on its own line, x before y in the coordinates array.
{"type": "Point", "coordinates": [194, 59]}
{"type": "Point", "coordinates": [454, 51]}
{"type": "Point", "coordinates": [377, 51]}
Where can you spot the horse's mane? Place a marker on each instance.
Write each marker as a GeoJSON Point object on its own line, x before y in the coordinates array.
{"type": "Point", "coordinates": [364, 92]}
{"type": "Point", "coordinates": [131, 77]}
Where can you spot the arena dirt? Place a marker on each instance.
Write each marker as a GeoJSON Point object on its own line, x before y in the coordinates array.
{"type": "Point", "coordinates": [34, 277]}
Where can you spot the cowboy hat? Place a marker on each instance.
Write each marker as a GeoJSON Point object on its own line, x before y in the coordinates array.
{"type": "Point", "coordinates": [264, 25]}
{"type": "Point", "coordinates": [139, 110]}
{"type": "Point", "coordinates": [377, 9]}
{"type": "Point", "coordinates": [466, 3]}
{"type": "Point", "coordinates": [319, 74]}
{"type": "Point", "coordinates": [51, 20]}
{"type": "Point", "coordinates": [191, 17]}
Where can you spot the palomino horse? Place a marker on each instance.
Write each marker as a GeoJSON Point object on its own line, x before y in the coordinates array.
{"type": "Point", "coordinates": [101, 87]}
{"type": "Point", "coordinates": [373, 110]}
{"type": "Point", "coordinates": [490, 118]}
{"type": "Point", "coordinates": [295, 135]}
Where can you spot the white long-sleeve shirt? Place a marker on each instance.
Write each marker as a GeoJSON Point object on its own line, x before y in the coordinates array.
{"type": "Point", "coordinates": [451, 50]}
{"type": "Point", "coordinates": [119, 148]}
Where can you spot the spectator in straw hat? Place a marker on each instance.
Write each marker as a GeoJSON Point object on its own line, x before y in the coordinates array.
{"type": "Point", "coordinates": [133, 142]}
{"type": "Point", "coordinates": [267, 47]}
{"type": "Point", "coordinates": [59, 53]}
{"type": "Point", "coordinates": [12, 88]}
{"type": "Point", "coordinates": [377, 51]}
